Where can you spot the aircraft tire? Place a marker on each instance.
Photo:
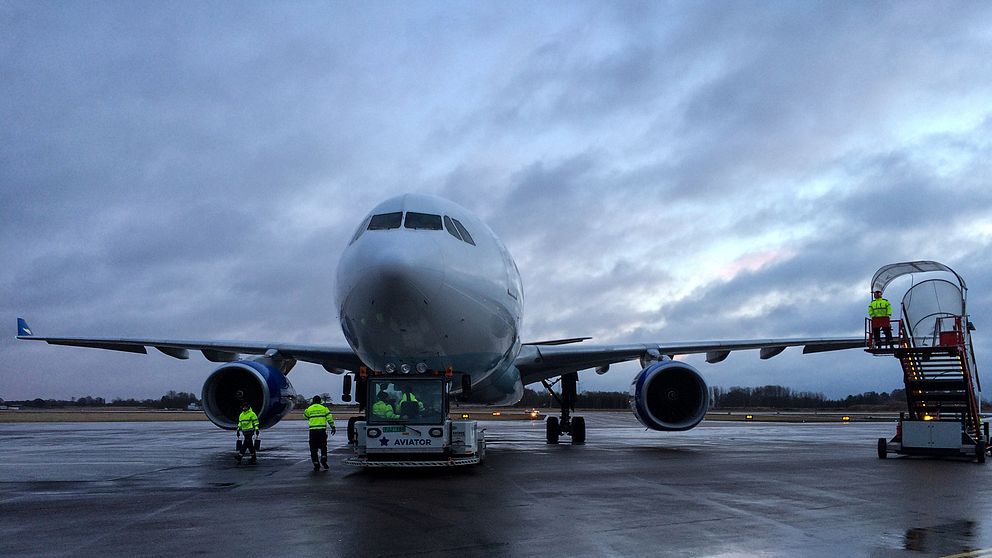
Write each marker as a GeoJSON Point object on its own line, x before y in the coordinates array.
{"type": "Point", "coordinates": [980, 452]}
{"type": "Point", "coordinates": [883, 448]}
{"type": "Point", "coordinates": [552, 427]}
{"type": "Point", "coordinates": [578, 430]}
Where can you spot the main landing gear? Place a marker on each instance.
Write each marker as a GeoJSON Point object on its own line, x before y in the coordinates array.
{"type": "Point", "coordinates": [567, 424]}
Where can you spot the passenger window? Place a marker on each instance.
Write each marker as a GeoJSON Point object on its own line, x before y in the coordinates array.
{"type": "Point", "coordinates": [386, 221]}
{"type": "Point", "coordinates": [450, 227]}
{"type": "Point", "coordinates": [424, 221]}
{"type": "Point", "coordinates": [361, 229]}
{"type": "Point", "coordinates": [461, 229]}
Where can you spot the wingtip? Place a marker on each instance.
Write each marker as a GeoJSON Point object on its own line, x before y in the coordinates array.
{"type": "Point", "coordinates": [22, 328]}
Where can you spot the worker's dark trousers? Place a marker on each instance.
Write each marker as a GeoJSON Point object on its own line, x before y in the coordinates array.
{"type": "Point", "coordinates": [318, 441]}
{"type": "Point", "coordinates": [876, 334]}
{"type": "Point", "coordinates": [249, 443]}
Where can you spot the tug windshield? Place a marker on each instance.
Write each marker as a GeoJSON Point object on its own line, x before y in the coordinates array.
{"type": "Point", "coordinates": [407, 401]}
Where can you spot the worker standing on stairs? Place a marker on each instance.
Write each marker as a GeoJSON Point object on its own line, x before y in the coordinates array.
{"type": "Point", "coordinates": [880, 312]}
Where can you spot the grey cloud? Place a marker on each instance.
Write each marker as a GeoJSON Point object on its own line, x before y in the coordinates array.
{"type": "Point", "coordinates": [194, 170]}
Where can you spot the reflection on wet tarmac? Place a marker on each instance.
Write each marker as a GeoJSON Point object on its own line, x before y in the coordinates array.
{"type": "Point", "coordinates": [948, 538]}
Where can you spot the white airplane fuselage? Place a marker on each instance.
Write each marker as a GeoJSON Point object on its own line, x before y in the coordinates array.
{"type": "Point", "coordinates": [436, 297]}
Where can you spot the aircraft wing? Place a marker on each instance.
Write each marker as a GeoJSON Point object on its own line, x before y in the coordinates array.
{"type": "Point", "coordinates": [330, 358]}
{"type": "Point", "coordinates": [539, 362]}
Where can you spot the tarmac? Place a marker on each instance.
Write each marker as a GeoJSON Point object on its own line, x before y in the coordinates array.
{"type": "Point", "coordinates": [723, 489]}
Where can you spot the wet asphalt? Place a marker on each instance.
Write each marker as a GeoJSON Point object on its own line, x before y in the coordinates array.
{"type": "Point", "coordinates": [722, 489]}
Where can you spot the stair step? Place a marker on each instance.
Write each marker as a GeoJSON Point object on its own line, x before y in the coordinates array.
{"type": "Point", "coordinates": [937, 384]}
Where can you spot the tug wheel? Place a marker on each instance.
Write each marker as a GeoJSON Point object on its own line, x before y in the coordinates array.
{"type": "Point", "coordinates": [883, 448]}
{"type": "Point", "coordinates": [552, 427]}
{"type": "Point", "coordinates": [352, 436]}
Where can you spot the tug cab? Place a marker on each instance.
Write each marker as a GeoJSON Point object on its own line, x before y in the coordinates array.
{"type": "Point", "coordinates": [406, 424]}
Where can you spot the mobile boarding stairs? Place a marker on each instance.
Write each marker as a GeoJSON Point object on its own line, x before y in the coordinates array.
{"type": "Point", "coordinates": [933, 344]}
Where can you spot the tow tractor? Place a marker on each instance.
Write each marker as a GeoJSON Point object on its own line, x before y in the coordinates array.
{"type": "Point", "coordinates": [406, 423]}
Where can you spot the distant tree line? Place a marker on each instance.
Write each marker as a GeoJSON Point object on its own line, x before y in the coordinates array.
{"type": "Point", "coordinates": [584, 399]}
{"type": "Point", "coordinates": [779, 397]}
{"type": "Point", "coordinates": [773, 397]}
{"type": "Point", "coordinates": [171, 400]}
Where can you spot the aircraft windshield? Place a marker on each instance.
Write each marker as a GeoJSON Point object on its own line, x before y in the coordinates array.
{"type": "Point", "coordinates": [450, 227]}
{"type": "Point", "coordinates": [463, 231]}
{"type": "Point", "coordinates": [409, 401]}
{"type": "Point", "coordinates": [425, 221]}
{"type": "Point", "coordinates": [386, 221]}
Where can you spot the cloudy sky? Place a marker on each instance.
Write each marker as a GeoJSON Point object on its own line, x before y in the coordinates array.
{"type": "Point", "coordinates": [660, 171]}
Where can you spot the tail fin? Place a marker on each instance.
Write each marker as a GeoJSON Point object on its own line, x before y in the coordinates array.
{"type": "Point", "coordinates": [22, 328]}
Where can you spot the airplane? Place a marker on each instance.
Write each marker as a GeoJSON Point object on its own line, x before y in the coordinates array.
{"type": "Point", "coordinates": [424, 285]}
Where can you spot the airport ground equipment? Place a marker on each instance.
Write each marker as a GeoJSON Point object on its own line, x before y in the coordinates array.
{"type": "Point", "coordinates": [422, 434]}
{"type": "Point", "coordinates": [934, 348]}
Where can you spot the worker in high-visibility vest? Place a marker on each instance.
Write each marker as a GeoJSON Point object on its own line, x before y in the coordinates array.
{"type": "Point", "coordinates": [247, 425]}
{"type": "Point", "coordinates": [383, 409]}
{"type": "Point", "coordinates": [319, 418]}
{"type": "Point", "coordinates": [880, 312]}
{"type": "Point", "coordinates": [413, 407]}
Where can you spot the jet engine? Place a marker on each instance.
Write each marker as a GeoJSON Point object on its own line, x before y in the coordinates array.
{"type": "Point", "coordinates": [258, 382]}
{"type": "Point", "coordinates": [669, 395]}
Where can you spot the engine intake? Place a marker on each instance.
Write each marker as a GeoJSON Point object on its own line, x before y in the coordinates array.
{"type": "Point", "coordinates": [261, 384]}
{"type": "Point", "coordinates": [669, 396]}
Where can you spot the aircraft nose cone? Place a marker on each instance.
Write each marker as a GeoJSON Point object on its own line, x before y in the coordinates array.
{"type": "Point", "coordinates": [386, 290]}
{"type": "Point", "coordinates": [404, 272]}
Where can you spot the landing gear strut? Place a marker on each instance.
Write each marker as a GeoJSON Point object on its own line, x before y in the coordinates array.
{"type": "Point", "coordinates": [567, 424]}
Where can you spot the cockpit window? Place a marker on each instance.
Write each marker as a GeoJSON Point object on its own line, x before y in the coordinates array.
{"type": "Point", "coordinates": [426, 221]}
{"type": "Point", "coordinates": [386, 221]}
{"type": "Point", "coordinates": [361, 229]}
{"type": "Point", "coordinates": [461, 229]}
{"type": "Point", "coordinates": [450, 227]}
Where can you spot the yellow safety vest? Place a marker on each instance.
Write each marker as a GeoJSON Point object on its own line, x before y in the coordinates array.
{"type": "Point", "coordinates": [248, 421]}
{"type": "Point", "coordinates": [382, 409]}
{"type": "Point", "coordinates": [318, 416]}
{"type": "Point", "coordinates": [410, 397]}
{"type": "Point", "coordinates": [879, 308]}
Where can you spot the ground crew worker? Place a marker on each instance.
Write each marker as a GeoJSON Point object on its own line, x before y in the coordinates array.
{"type": "Point", "coordinates": [382, 408]}
{"type": "Point", "coordinates": [247, 425]}
{"type": "Point", "coordinates": [880, 312]}
{"type": "Point", "coordinates": [319, 418]}
{"type": "Point", "coordinates": [408, 396]}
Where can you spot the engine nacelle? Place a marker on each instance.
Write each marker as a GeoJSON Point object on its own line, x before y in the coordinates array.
{"type": "Point", "coordinates": [259, 382]}
{"type": "Point", "coordinates": [669, 395]}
